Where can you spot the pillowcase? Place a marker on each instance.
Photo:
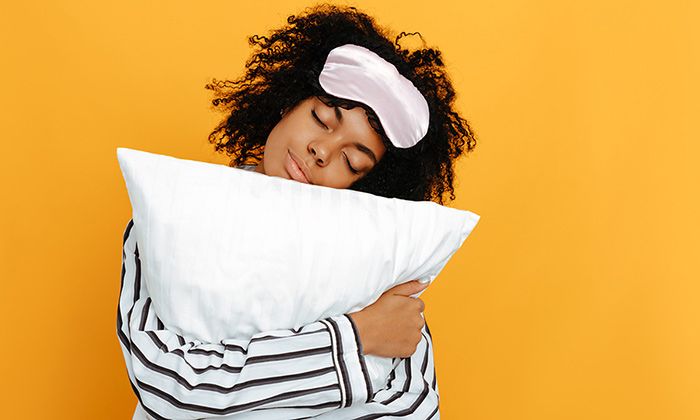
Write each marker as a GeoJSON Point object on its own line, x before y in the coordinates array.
{"type": "Point", "coordinates": [226, 253]}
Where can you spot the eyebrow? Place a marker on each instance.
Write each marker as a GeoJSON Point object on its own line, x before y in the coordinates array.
{"type": "Point", "coordinates": [361, 147]}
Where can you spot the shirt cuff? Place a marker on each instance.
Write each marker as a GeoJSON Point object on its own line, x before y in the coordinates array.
{"type": "Point", "coordinates": [350, 364]}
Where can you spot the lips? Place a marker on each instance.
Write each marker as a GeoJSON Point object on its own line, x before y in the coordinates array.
{"type": "Point", "coordinates": [296, 171]}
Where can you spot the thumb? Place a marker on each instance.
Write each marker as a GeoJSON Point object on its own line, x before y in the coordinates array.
{"type": "Point", "coordinates": [409, 288]}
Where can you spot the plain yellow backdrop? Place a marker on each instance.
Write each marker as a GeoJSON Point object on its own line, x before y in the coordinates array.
{"type": "Point", "coordinates": [576, 297]}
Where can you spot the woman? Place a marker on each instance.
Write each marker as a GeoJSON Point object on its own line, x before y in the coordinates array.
{"type": "Point", "coordinates": [384, 125]}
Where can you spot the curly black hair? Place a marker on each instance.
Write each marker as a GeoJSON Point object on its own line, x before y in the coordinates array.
{"type": "Point", "coordinates": [284, 70]}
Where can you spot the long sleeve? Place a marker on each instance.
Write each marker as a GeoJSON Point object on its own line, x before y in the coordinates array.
{"type": "Point", "coordinates": [411, 392]}
{"type": "Point", "coordinates": [281, 374]}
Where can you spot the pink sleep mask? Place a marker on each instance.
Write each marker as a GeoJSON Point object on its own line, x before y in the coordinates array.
{"type": "Point", "coordinates": [357, 73]}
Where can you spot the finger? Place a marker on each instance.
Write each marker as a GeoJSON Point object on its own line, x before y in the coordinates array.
{"type": "Point", "coordinates": [409, 288]}
{"type": "Point", "coordinates": [421, 304]}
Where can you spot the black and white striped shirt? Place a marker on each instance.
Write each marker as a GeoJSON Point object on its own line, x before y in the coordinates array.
{"type": "Point", "coordinates": [316, 370]}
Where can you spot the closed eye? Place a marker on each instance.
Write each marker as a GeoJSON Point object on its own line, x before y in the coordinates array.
{"type": "Point", "coordinates": [313, 112]}
{"type": "Point", "coordinates": [353, 170]}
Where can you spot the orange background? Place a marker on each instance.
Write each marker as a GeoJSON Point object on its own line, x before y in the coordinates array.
{"type": "Point", "coordinates": [576, 297]}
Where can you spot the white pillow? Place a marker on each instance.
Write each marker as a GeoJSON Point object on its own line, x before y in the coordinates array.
{"type": "Point", "coordinates": [227, 253]}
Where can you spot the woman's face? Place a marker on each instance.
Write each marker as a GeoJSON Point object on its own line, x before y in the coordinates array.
{"type": "Point", "coordinates": [327, 143]}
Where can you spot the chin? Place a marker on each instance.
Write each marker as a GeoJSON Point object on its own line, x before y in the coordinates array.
{"type": "Point", "coordinates": [282, 173]}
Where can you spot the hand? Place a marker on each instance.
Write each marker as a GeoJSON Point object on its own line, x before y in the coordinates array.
{"type": "Point", "coordinates": [391, 326]}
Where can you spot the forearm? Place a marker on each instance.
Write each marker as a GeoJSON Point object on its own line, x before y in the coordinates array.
{"type": "Point", "coordinates": [411, 392]}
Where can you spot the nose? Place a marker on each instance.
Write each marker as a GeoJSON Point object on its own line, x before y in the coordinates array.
{"type": "Point", "coordinates": [320, 150]}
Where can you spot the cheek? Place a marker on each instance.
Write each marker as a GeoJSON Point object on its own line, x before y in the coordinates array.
{"type": "Point", "coordinates": [275, 136]}
{"type": "Point", "coordinates": [272, 153]}
{"type": "Point", "coordinates": [281, 137]}
{"type": "Point", "coordinates": [335, 176]}
{"type": "Point", "coordinates": [288, 133]}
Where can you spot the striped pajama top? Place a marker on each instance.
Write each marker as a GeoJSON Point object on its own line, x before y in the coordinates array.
{"type": "Point", "coordinates": [317, 370]}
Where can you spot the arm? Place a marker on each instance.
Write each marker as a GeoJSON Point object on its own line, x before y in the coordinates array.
{"type": "Point", "coordinates": [411, 392]}
{"type": "Point", "coordinates": [303, 372]}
